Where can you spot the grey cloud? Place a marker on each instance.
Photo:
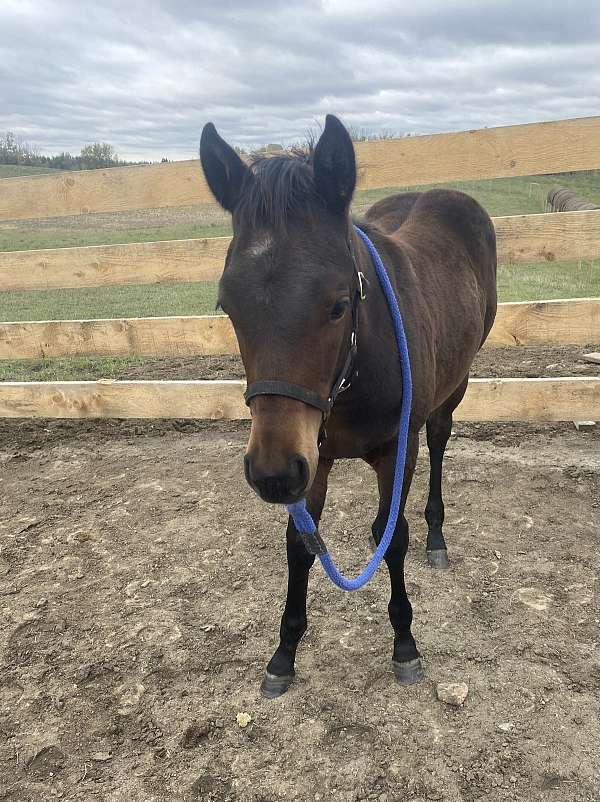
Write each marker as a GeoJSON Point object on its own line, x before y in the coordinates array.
{"type": "Point", "coordinates": [147, 75]}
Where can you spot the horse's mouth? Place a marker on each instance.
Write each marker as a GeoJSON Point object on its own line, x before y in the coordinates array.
{"type": "Point", "coordinates": [286, 488]}
{"type": "Point", "coordinates": [277, 495]}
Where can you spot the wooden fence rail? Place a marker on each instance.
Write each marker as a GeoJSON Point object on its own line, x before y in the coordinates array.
{"type": "Point", "coordinates": [565, 145]}
{"type": "Point", "coordinates": [486, 399]}
{"type": "Point", "coordinates": [569, 322]}
{"type": "Point", "coordinates": [533, 149]}
{"type": "Point", "coordinates": [521, 238]}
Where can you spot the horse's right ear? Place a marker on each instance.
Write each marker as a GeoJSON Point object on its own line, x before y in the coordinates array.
{"type": "Point", "coordinates": [223, 168]}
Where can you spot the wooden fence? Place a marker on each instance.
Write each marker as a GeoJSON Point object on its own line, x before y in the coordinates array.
{"type": "Point", "coordinates": [566, 145]}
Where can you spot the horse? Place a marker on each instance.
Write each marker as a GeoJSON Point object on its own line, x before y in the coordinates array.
{"type": "Point", "coordinates": [296, 283]}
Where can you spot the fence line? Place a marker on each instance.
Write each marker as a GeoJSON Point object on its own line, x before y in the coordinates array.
{"type": "Point", "coordinates": [532, 149]}
{"type": "Point", "coordinates": [559, 146]}
{"type": "Point", "coordinates": [563, 322]}
{"type": "Point", "coordinates": [521, 238]}
{"type": "Point", "coordinates": [486, 399]}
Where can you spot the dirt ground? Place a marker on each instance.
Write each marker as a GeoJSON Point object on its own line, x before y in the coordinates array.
{"type": "Point", "coordinates": [141, 585]}
{"type": "Point", "coordinates": [523, 362]}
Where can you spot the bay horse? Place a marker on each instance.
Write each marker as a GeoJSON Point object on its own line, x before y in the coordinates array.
{"type": "Point", "coordinates": [296, 283]}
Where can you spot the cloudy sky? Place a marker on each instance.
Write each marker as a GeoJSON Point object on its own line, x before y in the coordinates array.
{"type": "Point", "coordinates": [145, 75]}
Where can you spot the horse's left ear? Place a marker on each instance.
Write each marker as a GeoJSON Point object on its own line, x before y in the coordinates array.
{"type": "Point", "coordinates": [223, 168]}
{"type": "Point", "coordinates": [335, 166]}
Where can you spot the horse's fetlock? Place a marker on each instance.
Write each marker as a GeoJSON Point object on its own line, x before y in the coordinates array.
{"type": "Point", "coordinates": [405, 649]}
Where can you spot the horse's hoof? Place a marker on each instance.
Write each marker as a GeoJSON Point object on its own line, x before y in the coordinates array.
{"type": "Point", "coordinates": [408, 673]}
{"type": "Point", "coordinates": [438, 558]}
{"type": "Point", "coordinates": [273, 686]}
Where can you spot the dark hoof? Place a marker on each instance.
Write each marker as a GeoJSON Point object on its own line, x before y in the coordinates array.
{"type": "Point", "coordinates": [408, 673]}
{"type": "Point", "coordinates": [273, 686]}
{"type": "Point", "coordinates": [438, 558]}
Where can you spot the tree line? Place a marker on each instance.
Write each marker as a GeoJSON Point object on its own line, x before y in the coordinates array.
{"type": "Point", "coordinates": [91, 157]}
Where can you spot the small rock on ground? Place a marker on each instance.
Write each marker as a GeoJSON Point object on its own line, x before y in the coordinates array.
{"type": "Point", "coordinates": [584, 425]}
{"type": "Point", "coordinates": [452, 693]}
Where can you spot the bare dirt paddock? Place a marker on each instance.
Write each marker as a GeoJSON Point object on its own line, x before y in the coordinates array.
{"type": "Point", "coordinates": [141, 588]}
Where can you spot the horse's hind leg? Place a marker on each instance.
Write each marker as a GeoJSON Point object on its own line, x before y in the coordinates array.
{"type": "Point", "coordinates": [406, 660]}
{"type": "Point", "coordinates": [439, 426]}
{"type": "Point", "coordinates": [280, 670]}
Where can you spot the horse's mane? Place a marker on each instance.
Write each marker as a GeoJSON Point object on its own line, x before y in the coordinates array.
{"type": "Point", "coordinates": [277, 188]}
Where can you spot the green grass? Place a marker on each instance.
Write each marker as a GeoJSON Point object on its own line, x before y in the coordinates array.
{"type": "Point", "coordinates": [16, 170]}
{"type": "Point", "coordinates": [26, 240]}
{"type": "Point", "coordinates": [548, 281]}
{"type": "Point", "coordinates": [507, 196]}
{"type": "Point", "coordinates": [500, 197]}
{"type": "Point", "coordinates": [136, 300]}
{"type": "Point", "coordinates": [72, 369]}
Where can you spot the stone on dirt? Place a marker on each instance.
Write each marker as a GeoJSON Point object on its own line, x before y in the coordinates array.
{"type": "Point", "coordinates": [243, 719]}
{"type": "Point", "coordinates": [101, 757]}
{"type": "Point", "coordinates": [45, 763]}
{"type": "Point", "coordinates": [194, 734]}
{"type": "Point", "coordinates": [452, 693]}
{"type": "Point", "coordinates": [584, 425]}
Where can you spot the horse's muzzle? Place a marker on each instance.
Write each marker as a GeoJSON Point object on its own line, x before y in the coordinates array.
{"type": "Point", "coordinates": [284, 486]}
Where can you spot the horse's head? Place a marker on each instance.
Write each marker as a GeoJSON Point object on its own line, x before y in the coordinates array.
{"type": "Point", "coordinates": [288, 286]}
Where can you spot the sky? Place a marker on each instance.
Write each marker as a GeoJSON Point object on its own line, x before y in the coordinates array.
{"type": "Point", "coordinates": [146, 75]}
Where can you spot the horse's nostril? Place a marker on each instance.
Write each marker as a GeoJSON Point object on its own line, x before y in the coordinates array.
{"type": "Point", "coordinates": [299, 471]}
{"type": "Point", "coordinates": [248, 469]}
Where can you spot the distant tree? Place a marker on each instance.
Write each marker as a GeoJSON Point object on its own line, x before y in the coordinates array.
{"type": "Point", "coordinates": [14, 151]}
{"type": "Point", "coordinates": [98, 154]}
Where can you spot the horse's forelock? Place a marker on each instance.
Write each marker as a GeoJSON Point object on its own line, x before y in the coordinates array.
{"type": "Point", "coordinates": [277, 189]}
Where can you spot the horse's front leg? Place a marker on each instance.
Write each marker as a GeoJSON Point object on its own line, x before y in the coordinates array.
{"type": "Point", "coordinates": [406, 660]}
{"type": "Point", "coordinates": [280, 670]}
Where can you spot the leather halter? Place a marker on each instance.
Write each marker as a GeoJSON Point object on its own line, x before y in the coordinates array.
{"type": "Point", "coordinates": [343, 380]}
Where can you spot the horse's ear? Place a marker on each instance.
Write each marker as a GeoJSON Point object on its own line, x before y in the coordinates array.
{"type": "Point", "coordinates": [223, 168]}
{"type": "Point", "coordinates": [335, 166]}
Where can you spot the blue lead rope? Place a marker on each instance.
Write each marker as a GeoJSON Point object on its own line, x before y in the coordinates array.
{"type": "Point", "coordinates": [302, 518]}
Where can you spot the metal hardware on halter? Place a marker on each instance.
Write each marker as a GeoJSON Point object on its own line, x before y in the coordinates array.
{"type": "Point", "coordinates": [362, 281]}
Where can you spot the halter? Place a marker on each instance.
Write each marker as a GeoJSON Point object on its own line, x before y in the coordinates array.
{"type": "Point", "coordinates": [344, 378]}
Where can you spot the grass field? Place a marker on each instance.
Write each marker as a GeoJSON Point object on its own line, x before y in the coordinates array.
{"type": "Point", "coordinates": [500, 197]}
{"type": "Point", "coordinates": [16, 170]}
{"type": "Point", "coordinates": [26, 239]}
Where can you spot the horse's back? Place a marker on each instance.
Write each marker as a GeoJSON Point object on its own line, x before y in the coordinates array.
{"type": "Point", "coordinates": [447, 221]}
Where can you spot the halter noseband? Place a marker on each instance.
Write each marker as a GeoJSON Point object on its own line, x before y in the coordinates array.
{"type": "Point", "coordinates": [344, 378]}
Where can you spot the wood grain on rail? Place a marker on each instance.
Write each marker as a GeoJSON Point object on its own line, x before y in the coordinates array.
{"type": "Point", "coordinates": [548, 237]}
{"type": "Point", "coordinates": [569, 322]}
{"type": "Point", "coordinates": [486, 399]}
{"type": "Point", "coordinates": [161, 262]}
{"type": "Point", "coordinates": [533, 149]}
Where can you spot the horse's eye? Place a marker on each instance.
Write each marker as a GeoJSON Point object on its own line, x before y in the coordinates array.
{"type": "Point", "coordinates": [339, 308]}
